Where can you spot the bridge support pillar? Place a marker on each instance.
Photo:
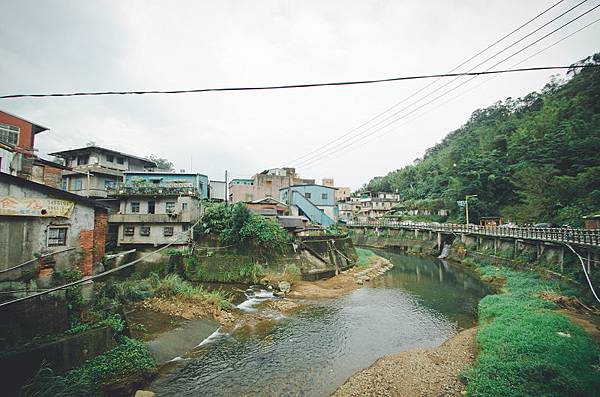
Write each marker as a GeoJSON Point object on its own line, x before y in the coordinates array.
{"type": "Point", "coordinates": [416, 234]}
{"type": "Point", "coordinates": [439, 240]}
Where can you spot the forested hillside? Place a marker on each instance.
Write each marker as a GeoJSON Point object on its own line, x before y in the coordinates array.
{"type": "Point", "coordinates": [532, 159]}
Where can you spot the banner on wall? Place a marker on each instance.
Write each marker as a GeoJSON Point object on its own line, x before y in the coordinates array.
{"type": "Point", "coordinates": [43, 207]}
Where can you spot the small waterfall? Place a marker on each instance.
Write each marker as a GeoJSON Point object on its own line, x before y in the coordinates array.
{"type": "Point", "coordinates": [445, 251]}
{"type": "Point", "coordinates": [255, 295]}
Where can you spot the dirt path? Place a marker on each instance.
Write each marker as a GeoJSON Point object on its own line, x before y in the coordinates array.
{"type": "Point", "coordinates": [417, 372]}
{"type": "Point", "coordinates": [342, 283]}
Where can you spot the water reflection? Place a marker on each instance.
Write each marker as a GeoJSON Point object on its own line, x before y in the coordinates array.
{"type": "Point", "coordinates": [417, 304]}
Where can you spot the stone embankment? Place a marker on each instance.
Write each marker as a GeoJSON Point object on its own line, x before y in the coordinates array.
{"type": "Point", "coordinates": [343, 283]}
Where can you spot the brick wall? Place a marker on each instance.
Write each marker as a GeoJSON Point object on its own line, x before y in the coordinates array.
{"type": "Point", "coordinates": [92, 242]}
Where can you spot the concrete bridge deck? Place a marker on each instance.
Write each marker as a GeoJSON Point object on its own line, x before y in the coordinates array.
{"type": "Point", "coordinates": [579, 237]}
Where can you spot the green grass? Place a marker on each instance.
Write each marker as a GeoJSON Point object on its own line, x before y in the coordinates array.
{"type": "Point", "coordinates": [526, 347]}
{"type": "Point", "coordinates": [364, 256]}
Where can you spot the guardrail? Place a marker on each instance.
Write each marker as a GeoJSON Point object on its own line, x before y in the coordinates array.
{"type": "Point", "coordinates": [589, 237]}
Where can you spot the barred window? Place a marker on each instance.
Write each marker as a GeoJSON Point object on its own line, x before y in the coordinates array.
{"type": "Point", "coordinates": [168, 231]}
{"type": "Point", "coordinates": [170, 207]}
{"type": "Point", "coordinates": [144, 230]}
{"type": "Point", "coordinates": [135, 207]}
{"type": "Point", "coordinates": [57, 236]}
{"type": "Point", "coordinates": [129, 231]}
{"type": "Point", "coordinates": [9, 134]}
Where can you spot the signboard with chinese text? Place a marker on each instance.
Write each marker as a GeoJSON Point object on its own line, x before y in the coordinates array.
{"type": "Point", "coordinates": [44, 207]}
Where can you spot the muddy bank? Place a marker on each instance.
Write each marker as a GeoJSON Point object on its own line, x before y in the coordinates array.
{"type": "Point", "coordinates": [417, 372]}
{"type": "Point", "coordinates": [341, 284]}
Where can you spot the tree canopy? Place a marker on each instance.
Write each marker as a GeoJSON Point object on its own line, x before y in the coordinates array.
{"type": "Point", "coordinates": [531, 159]}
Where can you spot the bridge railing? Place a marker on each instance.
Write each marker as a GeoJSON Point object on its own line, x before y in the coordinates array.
{"type": "Point", "coordinates": [564, 235]}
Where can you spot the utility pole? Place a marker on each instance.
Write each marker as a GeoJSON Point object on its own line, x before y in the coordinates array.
{"type": "Point", "coordinates": [467, 197]}
{"type": "Point", "coordinates": [226, 189]}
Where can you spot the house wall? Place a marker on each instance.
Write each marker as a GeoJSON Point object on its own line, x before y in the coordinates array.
{"type": "Point", "coordinates": [315, 191]}
{"type": "Point", "coordinates": [22, 237]}
{"type": "Point", "coordinates": [217, 190]}
{"type": "Point", "coordinates": [156, 236]}
{"type": "Point", "coordinates": [342, 193]}
{"type": "Point", "coordinates": [26, 136]}
{"type": "Point", "coordinates": [264, 185]}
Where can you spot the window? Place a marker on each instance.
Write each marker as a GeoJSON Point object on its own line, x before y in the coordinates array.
{"type": "Point", "coordinates": [77, 184]}
{"type": "Point", "coordinates": [324, 196]}
{"type": "Point", "coordinates": [57, 236]}
{"type": "Point", "coordinates": [151, 207]}
{"type": "Point", "coordinates": [170, 207]}
{"type": "Point", "coordinates": [120, 160]}
{"type": "Point", "coordinates": [144, 230]}
{"type": "Point", "coordinates": [185, 227]}
{"type": "Point", "coordinates": [9, 134]}
{"type": "Point", "coordinates": [184, 206]}
{"type": "Point", "coordinates": [110, 158]}
{"type": "Point", "coordinates": [83, 160]}
{"type": "Point", "coordinates": [168, 231]}
{"type": "Point", "coordinates": [307, 195]}
{"type": "Point", "coordinates": [129, 230]}
{"type": "Point", "coordinates": [135, 207]}
{"type": "Point", "coordinates": [109, 183]}
{"type": "Point", "coordinates": [63, 183]}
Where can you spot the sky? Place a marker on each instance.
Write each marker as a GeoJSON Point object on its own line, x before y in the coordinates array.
{"type": "Point", "coordinates": [70, 46]}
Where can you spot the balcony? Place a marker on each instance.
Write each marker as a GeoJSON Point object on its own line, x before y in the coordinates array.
{"type": "Point", "coordinates": [182, 217]}
{"type": "Point", "coordinates": [151, 190]}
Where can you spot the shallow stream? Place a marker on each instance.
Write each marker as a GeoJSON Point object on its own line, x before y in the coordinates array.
{"type": "Point", "coordinates": [419, 303]}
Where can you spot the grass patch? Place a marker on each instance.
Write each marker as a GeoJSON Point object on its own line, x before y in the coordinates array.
{"type": "Point", "coordinates": [169, 286]}
{"type": "Point", "coordinates": [526, 347]}
{"type": "Point", "coordinates": [129, 358]}
{"type": "Point", "coordinates": [364, 256]}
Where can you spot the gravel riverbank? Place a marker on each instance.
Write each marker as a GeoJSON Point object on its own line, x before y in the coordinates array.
{"type": "Point", "coordinates": [417, 372]}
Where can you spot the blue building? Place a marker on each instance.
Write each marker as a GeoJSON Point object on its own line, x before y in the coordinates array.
{"type": "Point", "coordinates": [316, 202]}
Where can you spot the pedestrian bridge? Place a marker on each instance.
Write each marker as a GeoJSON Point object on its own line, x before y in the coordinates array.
{"type": "Point", "coordinates": [579, 237]}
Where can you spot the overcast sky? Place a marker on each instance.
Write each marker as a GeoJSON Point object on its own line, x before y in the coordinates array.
{"type": "Point", "coordinates": [63, 46]}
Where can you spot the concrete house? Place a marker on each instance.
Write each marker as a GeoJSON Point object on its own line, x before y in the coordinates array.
{"type": "Point", "coordinates": [154, 208]}
{"type": "Point", "coordinates": [217, 190]}
{"type": "Point", "coordinates": [94, 169]}
{"type": "Point", "coordinates": [376, 205]}
{"type": "Point", "coordinates": [316, 202]}
{"type": "Point", "coordinates": [264, 184]}
{"type": "Point", "coordinates": [37, 219]}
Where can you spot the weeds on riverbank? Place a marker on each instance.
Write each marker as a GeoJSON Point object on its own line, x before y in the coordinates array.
{"type": "Point", "coordinates": [129, 358]}
{"type": "Point", "coordinates": [527, 348]}
{"type": "Point", "coordinates": [169, 286]}
{"type": "Point", "coordinates": [364, 256]}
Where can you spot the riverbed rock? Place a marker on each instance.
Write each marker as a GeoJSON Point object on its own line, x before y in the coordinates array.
{"type": "Point", "coordinates": [359, 281]}
{"type": "Point", "coordinates": [144, 393]}
{"type": "Point", "coordinates": [284, 286]}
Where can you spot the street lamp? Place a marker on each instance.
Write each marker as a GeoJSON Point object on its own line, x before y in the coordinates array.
{"type": "Point", "coordinates": [467, 197]}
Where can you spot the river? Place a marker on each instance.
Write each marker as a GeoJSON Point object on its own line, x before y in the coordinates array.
{"type": "Point", "coordinates": [419, 303]}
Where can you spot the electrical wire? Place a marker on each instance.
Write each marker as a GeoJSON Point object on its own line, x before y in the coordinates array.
{"type": "Point", "coordinates": [289, 86]}
{"type": "Point", "coordinates": [361, 138]}
{"type": "Point", "coordinates": [430, 84]}
{"type": "Point", "coordinates": [471, 88]}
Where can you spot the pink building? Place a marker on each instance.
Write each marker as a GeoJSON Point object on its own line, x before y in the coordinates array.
{"type": "Point", "coordinates": [264, 184]}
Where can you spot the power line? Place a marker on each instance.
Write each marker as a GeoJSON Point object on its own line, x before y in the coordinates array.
{"type": "Point", "coordinates": [289, 86]}
{"type": "Point", "coordinates": [353, 140]}
{"type": "Point", "coordinates": [430, 84]}
{"type": "Point", "coordinates": [317, 156]}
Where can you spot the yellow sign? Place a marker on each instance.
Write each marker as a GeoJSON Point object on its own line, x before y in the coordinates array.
{"type": "Point", "coordinates": [44, 207]}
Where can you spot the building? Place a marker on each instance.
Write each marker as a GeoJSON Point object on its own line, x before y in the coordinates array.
{"type": "Point", "coordinates": [348, 210]}
{"type": "Point", "coordinates": [376, 205]}
{"type": "Point", "coordinates": [592, 221]}
{"type": "Point", "coordinates": [217, 190]}
{"type": "Point", "coordinates": [264, 184]}
{"type": "Point", "coordinates": [17, 141]}
{"type": "Point", "coordinates": [342, 194]}
{"type": "Point", "coordinates": [36, 219]}
{"type": "Point", "coordinates": [155, 208]}
{"type": "Point", "coordinates": [94, 169]}
{"type": "Point", "coordinates": [316, 202]}
{"type": "Point", "coordinates": [268, 207]}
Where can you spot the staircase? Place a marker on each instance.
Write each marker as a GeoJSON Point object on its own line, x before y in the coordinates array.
{"type": "Point", "coordinates": [311, 211]}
